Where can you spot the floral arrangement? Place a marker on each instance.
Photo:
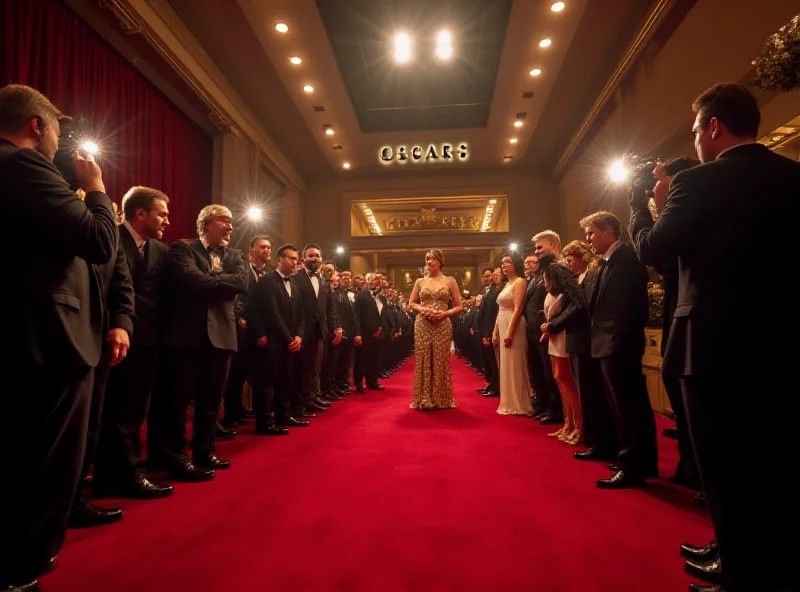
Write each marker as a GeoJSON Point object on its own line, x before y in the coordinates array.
{"type": "Point", "coordinates": [778, 66]}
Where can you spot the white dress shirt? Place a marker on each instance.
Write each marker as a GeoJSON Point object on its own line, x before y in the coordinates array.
{"type": "Point", "coordinates": [287, 285]}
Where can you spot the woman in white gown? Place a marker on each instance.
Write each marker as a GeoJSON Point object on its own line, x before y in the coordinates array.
{"type": "Point", "coordinates": [515, 386]}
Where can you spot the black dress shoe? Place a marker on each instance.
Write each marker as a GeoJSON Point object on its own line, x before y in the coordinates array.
{"type": "Point", "coordinates": [248, 415]}
{"type": "Point", "coordinates": [551, 419]}
{"type": "Point", "coordinates": [376, 387]}
{"type": "Point", "coordinates": [481, 390]}
{"type": "Point", "coordinates": [595, 454]}
{"type": "Point", "coordinates": [272, 430]}
{"type": "Point", "coordinates": [140, 487]}
{"type": "Point", "coordinates": [359, 389]}
{"type": "Point", "coordinates": [32, 586]}
{"type": "Point", "coordinates": [615, 468]}
{"type": "Point", "coordinates": [314, 408]}
{"type": "Point", "coordinates": [86, 515]}
{"type": "Point", "coordinates": [210, 462]}
{"type": "Point", "coordinates": [707, 553]}
{"type": "Point", "coordinates": [621, 480]}
{"type": "Point", "coordinates": [703, 588]}
{"type": "Point", "coordinates": [708, 571]}
{"type": "Point", "coordinates": [291, 422]}
{"type": "Point", "coordinates": [222, 433]}
{"type": "Point", "coordinates": [186, 471]}
{"type": "Point", "coordinates": [670, 433]}
{"type": "Point", "coordinates": [321, 402]}
{"type": "Point", "coordinates": [491, 394]}
{"type": "Point", "coordinates": [308, 414]}
{"type": "Point", "coordinates": [700, 499]}
{"type": "Point", "coordinates": [679, 479]}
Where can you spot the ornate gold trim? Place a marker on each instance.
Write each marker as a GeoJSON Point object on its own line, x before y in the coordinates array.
{"type": "Point", "coordinates": [614, 81]}
{"type": "Point", "coordinates": [132, 22]}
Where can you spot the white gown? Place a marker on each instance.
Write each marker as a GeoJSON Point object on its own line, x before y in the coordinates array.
{"type": "Point", "coordinates": [515, 385]}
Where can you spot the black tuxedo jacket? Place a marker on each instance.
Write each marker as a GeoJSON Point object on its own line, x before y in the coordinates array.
{"type": "Point", "coordinates": [490, 310]}
{"type": "Point", "coordinates": [574, 315]}
{"type": "Point", "coordinates": [319, 311]}
{"type": "Point", "coordinates": [368, 320]}
{"type": "Point", "coordinates": [345, 313]}
{"type": "Point", "coordinates": [533, 312]}
{"type": "Point", "coordinates": [116, 287]}
{"type": "Point", "coordinates": [147, 273]}
{"type": "Point", "coordinates": [55, 309]}
{"type": "Point", "coordinates": [618, 305]}
{"type": "Point", "coordinates": [713, 217]}
{"type": "Point", "coordinates": [271, 313]}
{"type": "Point", "coordinates": [200, 303]}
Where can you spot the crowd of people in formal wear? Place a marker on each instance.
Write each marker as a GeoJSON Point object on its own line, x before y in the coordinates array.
{"type": "Point", "coordinates": [586, 306]}
{"type": "Point", "coordinates": [112, 328]}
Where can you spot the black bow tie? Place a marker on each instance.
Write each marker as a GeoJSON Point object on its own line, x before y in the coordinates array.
{"type": "Point", "coordinates": [286, 279]}
{"type": "Point", "coordinates": [217, 250]}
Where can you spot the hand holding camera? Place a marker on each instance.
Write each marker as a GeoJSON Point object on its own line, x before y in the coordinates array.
{"type": "Point", "coordinates": [88, 175]}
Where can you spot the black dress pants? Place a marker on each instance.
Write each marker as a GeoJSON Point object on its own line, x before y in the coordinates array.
{"type": "Point", "coordinates": [747, 474]}
{"type": "Point", "coordinates": [44, 437]}
{"type": "Point", "coordinates": [125, 410]}
{"type": "Point", "coordinates": [201, 374]}
{"type": "Point", "coordinates": [626, 390]}
{"type": "Point", "coordinates": [598, 422]}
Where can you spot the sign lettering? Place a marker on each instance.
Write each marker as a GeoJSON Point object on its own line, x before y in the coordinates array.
{"type": "Point", "coordinates": [433, 153]}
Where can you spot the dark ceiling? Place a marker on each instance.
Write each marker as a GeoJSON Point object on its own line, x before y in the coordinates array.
{"type": "Point", "coordinates": [427, 93]}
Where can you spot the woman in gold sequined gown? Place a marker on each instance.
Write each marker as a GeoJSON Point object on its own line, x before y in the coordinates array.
{"type": "Point", "coordinates": [433, 333]}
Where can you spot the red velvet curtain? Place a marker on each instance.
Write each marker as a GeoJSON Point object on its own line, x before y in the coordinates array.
{"type": "Point", "coordinates": [144, 139]}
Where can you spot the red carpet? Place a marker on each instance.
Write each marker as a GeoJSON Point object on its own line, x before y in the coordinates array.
{"type": "Point", "coordinates": [376, 497]}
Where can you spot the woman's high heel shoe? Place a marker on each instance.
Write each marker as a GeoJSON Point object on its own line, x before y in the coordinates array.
{"type": "Point", "coordinates": [556, 434]}
{"type": "Point", "coordinates": [574, 438]}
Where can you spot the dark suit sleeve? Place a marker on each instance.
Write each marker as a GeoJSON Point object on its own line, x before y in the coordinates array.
{"type": "Point", "coordinates": [236, 279]}
{"type": "Point", "coordinates": [330, 304]}
{"type": "Point", "coordinates": [120, 294]}
{"type": "Point", "coordinates": [301, 315]}
{"type": "Point", "coordinates": [184, 271]}
{"type": "Point", "coordinates": [86, 228]}
{"type": "Point", "coordinates": [356, 315]}
{"type": "Point", "coordinates": [682, 220]}
{"type": "Point", "coordinates": [255, 311]}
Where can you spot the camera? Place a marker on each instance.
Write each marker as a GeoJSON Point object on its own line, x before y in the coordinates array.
{"type": "Point", "coordinates": [68, 143]}
{"type": "Point", "coordinates": [642, 179]}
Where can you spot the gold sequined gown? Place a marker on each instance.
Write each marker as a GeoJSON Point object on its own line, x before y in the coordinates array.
{"type": "Point", "coordinates": [433, 377]}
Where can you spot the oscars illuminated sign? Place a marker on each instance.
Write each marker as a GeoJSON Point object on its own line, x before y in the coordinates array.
{"type": "Point", "coordinates": [433, 153]}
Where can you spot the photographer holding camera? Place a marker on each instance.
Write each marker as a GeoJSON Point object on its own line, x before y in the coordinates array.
{"type": "Point", "coordinates": [54, 321]}
{"type": "Point", "coordinates": [723, 354]}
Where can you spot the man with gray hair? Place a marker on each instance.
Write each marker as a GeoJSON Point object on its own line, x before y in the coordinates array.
{"type": "Point", "coordinates": [203, 279]}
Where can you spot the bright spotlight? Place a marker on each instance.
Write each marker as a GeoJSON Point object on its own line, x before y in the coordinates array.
{"type": "Point", "coordinates": [281, 28]}
{"type": "Point", "coordinates": [545, 43]}
{"type": "Point", "coordinates": [254, 213]}
{"type": "Point", "coordinates": [513, 246]}
{"type": "Point", "coordinates": [557, 7]}
{"type": "Point", "coordinates": [90, 148]}
{"type": "Point", "coordinates": [618, 172]}
{"type": "Point", "coordinates": [402, 48]}
{"type": "Point", "coordinates": [444, 49]}
{"type": "Point", "coordinates": [340, 250]}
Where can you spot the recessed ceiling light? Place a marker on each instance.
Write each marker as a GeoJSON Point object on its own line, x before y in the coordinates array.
{"type": "Point", "coordinates": [329, 131]}
{"type": "Point", "coordinates": [346, 165]}
{"type": "Point", "coordinates": [444, 49]}
{"type": "Point", "coordinates": [518, 123]}
{"type": "Point", "coordinates": [557, 7]}
{"type": "Point", "coordinates": [545, 43]}
{"type": "Point", "coordinates": [295, 60]}
{"type": "Point", "coordinates": [508, 158]}
{"type": "Point", "coordinates": [777, 138]}
{"type": "Point", "coordinates": [513, 140]}
{"type": "Point", "coordinates": [281, 27]}
{"type": "Point", "coordinates": [308, 88]}
{"type": "Point", "coordinates": [536, 72]}
{"type": "Point", "coordinates": [402, 48]}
